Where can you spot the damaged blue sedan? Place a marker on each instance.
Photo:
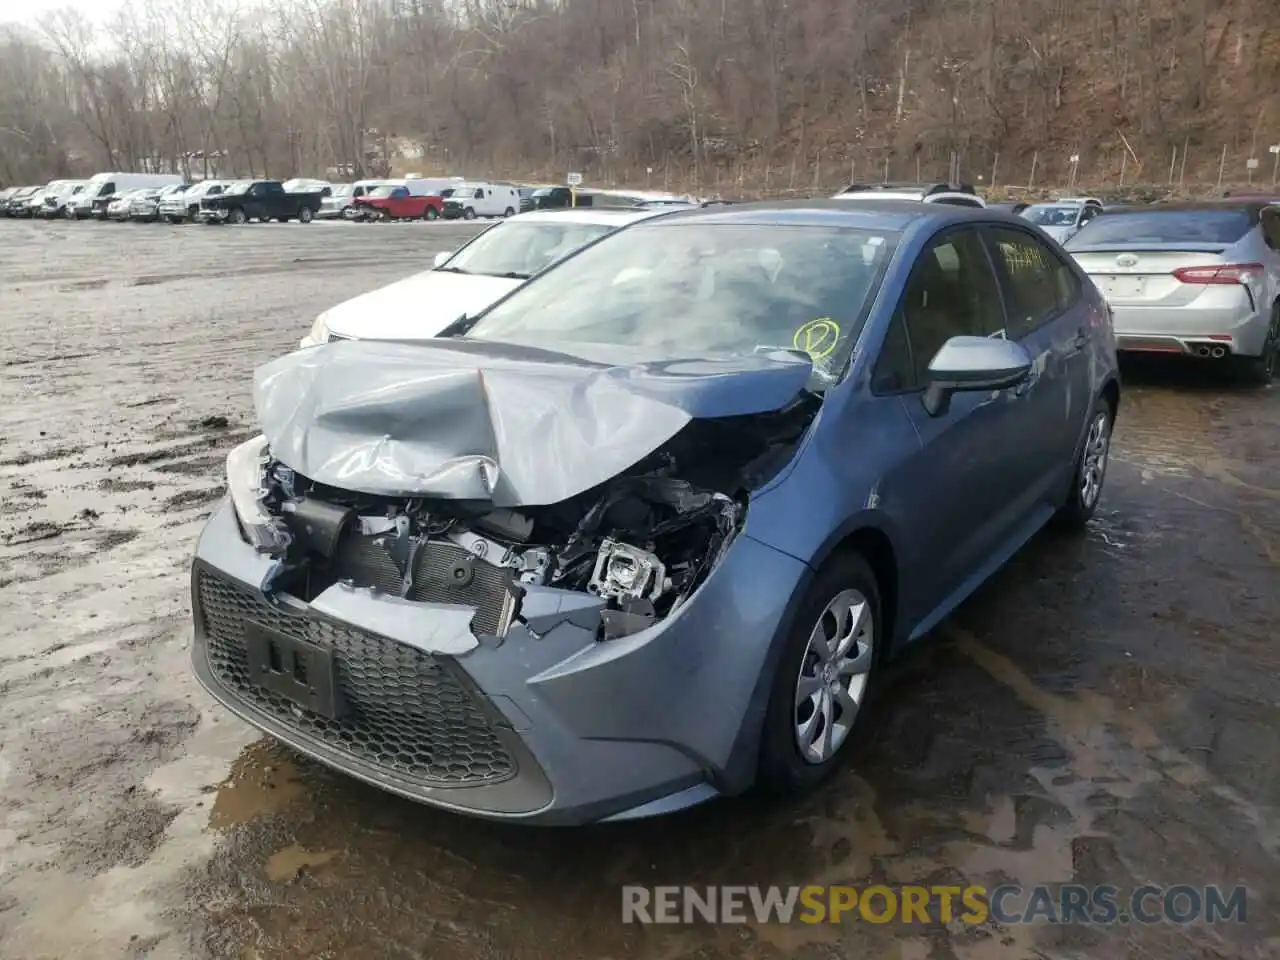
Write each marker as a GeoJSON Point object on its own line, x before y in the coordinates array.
{"type": "Point", "coordinates": [643, 532]}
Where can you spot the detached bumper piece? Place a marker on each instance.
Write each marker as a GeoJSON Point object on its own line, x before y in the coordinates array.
{"type": "Point", "coordinates": [374, 708]}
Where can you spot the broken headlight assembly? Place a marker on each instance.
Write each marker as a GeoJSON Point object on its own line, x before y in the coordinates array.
{"type": "Point", "coordinates": [645, 547]}
{"type": "Point", "coordinates": [246, 483]}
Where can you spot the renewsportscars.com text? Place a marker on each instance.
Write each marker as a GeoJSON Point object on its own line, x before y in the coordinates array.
{"type": "Point", "coordinates": [1007, 904]}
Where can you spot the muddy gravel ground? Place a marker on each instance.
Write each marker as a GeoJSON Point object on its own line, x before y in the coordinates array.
{"type": "Point", "coordinates": [1104, 711]}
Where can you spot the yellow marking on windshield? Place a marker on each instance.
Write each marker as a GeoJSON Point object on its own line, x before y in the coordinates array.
{"type": "Point", "coordinates": [817, 338]}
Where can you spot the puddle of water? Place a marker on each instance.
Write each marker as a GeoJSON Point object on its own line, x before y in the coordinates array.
{"type": "Point", "coordinates": [1113, 752]}
{"type": "Point", "coordinates": [288, 863]}
{"type": "Point", "coordinates": [260, 784]}
{"type": "Point", "coordinates": [791, 939]}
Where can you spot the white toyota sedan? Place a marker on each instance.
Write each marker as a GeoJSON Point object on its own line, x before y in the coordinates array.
{"type": "Point", "coordinates": [468, 280]}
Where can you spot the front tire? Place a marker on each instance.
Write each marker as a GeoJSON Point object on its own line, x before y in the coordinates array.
{"type": "Point", "coordinates": [824, 678]}
{"type": "Point", "coordinates": [1090, 470]}
{"type": "Point", "coordinates": [508, 212]}
{"type": "Point", "coordinates": [304, 215]}
{"type": "Point", "coordinates": [468, 214]}
{"type": "Point", "coordinates": [238, 217]}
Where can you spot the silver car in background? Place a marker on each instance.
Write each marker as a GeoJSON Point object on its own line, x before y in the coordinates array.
{"type": "Point", "coordinates": [1061, 219]}
{"type": "Point", "coordinates": [1201, 279]}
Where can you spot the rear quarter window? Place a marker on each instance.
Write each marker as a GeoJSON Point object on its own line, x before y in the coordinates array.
{"type": "Point", "coordinates": [1172, 226]}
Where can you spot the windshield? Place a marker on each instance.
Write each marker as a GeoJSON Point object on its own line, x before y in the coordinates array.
{"type": "Point", "coordinates": [342, 190]}
{"type": "Point", "coordinates": [1051, 215]}
{"type": "Point", "coordinates": [697, 289]}
{"type": "Point", "coordinates": [237, 188]}
{"type": "Point", "coordinates": [543, 191]}
{"type": "Point", "coordinates": [1169, 226]}
{"type": "Point", "coordinates": [381, 191]}
{"type": "Point", "coordinates": [519, 250]}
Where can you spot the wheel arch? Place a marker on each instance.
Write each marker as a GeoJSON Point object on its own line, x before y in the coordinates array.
{"type": "Point", "coordinates": [1111, 393]}
{"type": "Point", "coordinates": [865, 534]}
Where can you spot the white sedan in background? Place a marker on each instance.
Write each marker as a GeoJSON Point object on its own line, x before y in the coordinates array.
{"type": "Point", "coordinates": [467, 281]}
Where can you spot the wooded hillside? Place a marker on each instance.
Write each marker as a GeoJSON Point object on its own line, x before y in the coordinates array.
{"type": "Point", "coordinates": [704, 93]}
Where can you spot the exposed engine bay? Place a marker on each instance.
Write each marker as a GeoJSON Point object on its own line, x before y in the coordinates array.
{"type": "Point", "coordinates": [642, 542]}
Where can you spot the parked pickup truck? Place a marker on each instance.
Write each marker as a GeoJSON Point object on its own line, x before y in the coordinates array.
{"type": "Point", "coordinates": [394, 201]}
{"type": "Point", "coordinates": [262, 200]}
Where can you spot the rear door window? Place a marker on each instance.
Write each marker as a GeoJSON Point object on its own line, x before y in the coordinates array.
{"type": "Point", "coordinates": [951, 292]}
{"type": "Point", "coordinates": [1166, 226]}
{"type": "Point", "coordinates": [1038, 284]}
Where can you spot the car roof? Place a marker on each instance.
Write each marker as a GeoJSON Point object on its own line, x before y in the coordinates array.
{"type": "Point", "coordinates": [869, 213]}
{"type": "Point", "coordinates": [600, 215]}
{"type": "Point", "coordinates": [916, 195]}
{"type": "Point", "coordinates": [1251, 207]}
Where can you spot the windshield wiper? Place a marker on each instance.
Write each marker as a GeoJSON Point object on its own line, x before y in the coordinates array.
{"type": "Point", "coordinates": [452, 270]}
{"type": "Point", "coordinates": [510, 275]}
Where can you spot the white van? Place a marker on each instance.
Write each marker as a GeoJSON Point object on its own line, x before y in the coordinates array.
{"type": "Point", "coordinates": [472, 198]}
{"type": "Point", "coordinates": [103, 185]}
{"type": "Point", "coordinates": [57, 198]}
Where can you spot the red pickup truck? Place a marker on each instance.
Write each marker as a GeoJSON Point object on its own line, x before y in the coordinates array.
{"type": "Point", "coordinates": [396, 202]}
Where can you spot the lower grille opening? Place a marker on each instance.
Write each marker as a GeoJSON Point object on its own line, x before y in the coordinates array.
{"type": "Point", "coordinates": [405, 711]}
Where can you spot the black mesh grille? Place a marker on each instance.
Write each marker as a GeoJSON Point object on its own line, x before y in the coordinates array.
{"type": "Point", "coordinates": [366, 564]}
{"type": "Point", "coordinates": [405, 711]}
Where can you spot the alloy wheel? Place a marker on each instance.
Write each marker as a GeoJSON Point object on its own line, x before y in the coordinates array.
{"type": "Point", "coordinates": [1093, 469]}
{"type": "Point", "coordinates": [834, 674]}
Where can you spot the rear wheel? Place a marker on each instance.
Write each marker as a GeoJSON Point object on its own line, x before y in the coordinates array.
{"type": "Point", "coordinates": [823, 679]}
{"type": "Point", "coordinates": [1262, 369]}
{"type": "Point", "coordinates": [238, 217]}
{"type": "Point", "coordinates": [430, 213]}
{"type": "Point", "coordinates": [1091, 469]}
{"type": "Point", "coordinates": [508, 212]}
{"type": "Point", "coordinates": [304, 215]}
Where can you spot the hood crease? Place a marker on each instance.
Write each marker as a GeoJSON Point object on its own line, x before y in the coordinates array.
{"type": "Point", "coordinates": [478, 420]}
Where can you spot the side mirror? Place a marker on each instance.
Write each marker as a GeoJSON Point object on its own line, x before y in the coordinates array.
{"type": "Point", "coordinates": [973, 364]}
{"type": "Point", "coordinates": [442, 257]}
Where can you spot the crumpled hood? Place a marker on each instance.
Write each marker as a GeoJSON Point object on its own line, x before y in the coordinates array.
{"type": "Point", "coordinates": [515, 425]}
{"type": "Point", "coordinates": [417, 307]}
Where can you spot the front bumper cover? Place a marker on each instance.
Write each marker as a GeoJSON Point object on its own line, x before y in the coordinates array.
{"type": "Point", "coordinates": [597, 730]}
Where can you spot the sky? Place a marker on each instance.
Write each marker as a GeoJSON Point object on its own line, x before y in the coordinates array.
{"type": "Point", "coordinates": [30, 12]}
